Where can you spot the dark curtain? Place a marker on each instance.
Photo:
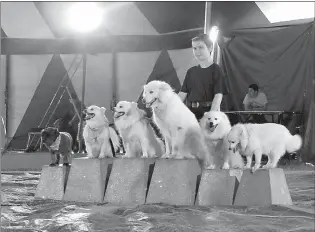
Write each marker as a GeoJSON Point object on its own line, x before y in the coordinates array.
{"type": "Point", "coordinates": [280, 60]}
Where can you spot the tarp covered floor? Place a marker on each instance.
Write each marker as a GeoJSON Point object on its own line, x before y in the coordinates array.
{"type": "Point", "coordinates": [20, 212]}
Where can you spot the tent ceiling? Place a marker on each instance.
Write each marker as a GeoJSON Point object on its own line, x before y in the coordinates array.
{"type": "Point", "coordinates": [165, 17]}
{"type": "Point", "coordinates": [289, 10]}
{"type": "Point", "coordinates": [129, 26]}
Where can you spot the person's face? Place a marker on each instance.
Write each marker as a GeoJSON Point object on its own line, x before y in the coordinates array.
{"type": "Point", "coordinates": [201, 51]}
{"type": "Point", "coordinates": [252, 92]}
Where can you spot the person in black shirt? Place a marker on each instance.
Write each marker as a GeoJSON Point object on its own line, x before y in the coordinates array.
{"type": "Point", "coordinates": [204, 85]}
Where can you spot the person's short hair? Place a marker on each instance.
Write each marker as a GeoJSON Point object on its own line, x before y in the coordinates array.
{"type": "Point", "coordinates": [204, 38]}
{"type": "Point", "coordinates": [254, 87]}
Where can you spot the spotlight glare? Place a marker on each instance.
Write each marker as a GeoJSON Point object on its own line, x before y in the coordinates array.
{"type": "Point", "coordinates": [213, 35]}
{"type": "Point", "coordinates": [85, 16]}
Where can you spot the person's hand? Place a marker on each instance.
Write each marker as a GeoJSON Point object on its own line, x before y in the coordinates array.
{"type": "Point", "coordinates": [257, 106]}
{"type": "Point", "coordinates": [250, 105]}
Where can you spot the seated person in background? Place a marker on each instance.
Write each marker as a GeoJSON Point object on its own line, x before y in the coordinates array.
{"type": "Point", "coordinates": [255, 100]}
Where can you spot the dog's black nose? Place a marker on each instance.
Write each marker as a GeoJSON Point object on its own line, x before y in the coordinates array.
{"type": "Point", "coordinates": [143, 101]}
{"type": "Point", "coordinates": [230, 148]}
{"type": "Point", "coordinates": [211, 123]}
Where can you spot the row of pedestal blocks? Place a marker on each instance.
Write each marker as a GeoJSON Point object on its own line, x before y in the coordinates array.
{"type": "Point", "coordinates": [175, 182]}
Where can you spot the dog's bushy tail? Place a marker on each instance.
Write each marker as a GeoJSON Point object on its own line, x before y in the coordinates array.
{"type": "Point", "coordinates": [195, 145]}
{"type": "Point", "coordinates": [115, 138]}
{"type": "Point", "coordinates": [294, 143]}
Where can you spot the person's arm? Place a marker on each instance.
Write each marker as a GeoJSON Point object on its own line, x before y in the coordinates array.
{"type": "Point", "coordinates": [265, 106]}
{"type": "Point", "coordinates": [216, 103]}
{"type": "Point", "coordinates": [265, 102]}
{"type": "Point", "coordinates": [220, 89]}
{"type": "Point", "coordinates": [182, 96]}
{"type": "Point", "coordinates": [185, 87]}
{"type": "Point", "coordinates": [246, 103]}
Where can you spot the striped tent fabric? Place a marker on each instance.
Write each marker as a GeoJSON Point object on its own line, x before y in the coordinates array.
{"type": "Point", "coordinates": [136, 42]}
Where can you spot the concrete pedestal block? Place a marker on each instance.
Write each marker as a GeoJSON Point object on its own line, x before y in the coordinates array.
{"type": "Point", "coordinates": [262, 188]}
{"type": "Point", "coordinates": [128, 181]}
{"type": "Point", "coordinates": [52, 182]}
{"type": "Point", "coordinates": [87, 179]}
{"type": "Point", "coordinates": [217, 187]}
{"type": "Point", "coordinates": [174, 182]}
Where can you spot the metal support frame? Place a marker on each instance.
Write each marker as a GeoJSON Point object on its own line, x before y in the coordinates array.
{"type": "Point", "coordinates": [82, 100]}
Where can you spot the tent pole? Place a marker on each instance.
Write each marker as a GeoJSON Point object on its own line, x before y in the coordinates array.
{"type": "Point", "coordinates": [208, 8]}
{"type": "Point", "coordinates": [82, 101]}
{"type": "Point", "coordinates": [207, 28]}
{"type": "Point", "coordinates": [114, 80]}
{"type": "Point", "coordinates": [2, 104]}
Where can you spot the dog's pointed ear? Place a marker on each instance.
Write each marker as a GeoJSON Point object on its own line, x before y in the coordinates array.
{"type": "Point", "coordinates": [243, 137]}
{"type": "Point", "coordinates": [103, 110]}
{"type": "Point", "coordinates": [165, 86]}
{"type": "Point", "coordinates": [135, 106]}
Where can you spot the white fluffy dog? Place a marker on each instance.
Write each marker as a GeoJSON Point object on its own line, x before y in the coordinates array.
{"type": "Point", "coordinates": [216, 126]}
{"type": "Point", "coordinates": [97, 133]}
{"type": "Point", "coordinates": [135, 130]}
{"type": "Point", "coordinates": [270, 139]}
{"type": "Point", "coordinates": [178, 125]}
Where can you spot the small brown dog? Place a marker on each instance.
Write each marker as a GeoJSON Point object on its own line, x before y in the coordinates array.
{"type": "Point", "coordinates": [58, 143]}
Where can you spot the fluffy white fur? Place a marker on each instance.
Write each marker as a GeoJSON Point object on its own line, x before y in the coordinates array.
{"type": "Point", "coordinates": [216, 126]}
{"type": "Point", "coordinates": [270, 139]}
{"type": "Point", "coordinates": [135, 130]}
{"type": "Point", "coordinates": [97, 133]}
{"type": "Point", "coordinates": [178, 125]}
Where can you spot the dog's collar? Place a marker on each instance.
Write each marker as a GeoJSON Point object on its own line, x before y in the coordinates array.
{"type": "Point", "coordinates": [97, 128]}
{"type": "Point", "coordinates": [95, 132]}
{"type": "Point", "coordinates": [56, 144]}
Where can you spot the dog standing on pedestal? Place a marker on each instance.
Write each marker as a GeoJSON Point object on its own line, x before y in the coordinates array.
{"type": "Point", "coordinates": [58, 144]}
{"type": "Point", "coordinates": [137, 134]}
{"type": "Point", "coordinates": [98, 135]}
{"type": "Point", "coordinates": [178, 125]}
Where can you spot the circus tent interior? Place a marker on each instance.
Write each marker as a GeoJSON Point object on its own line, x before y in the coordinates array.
{"type": "Point", "coordinates": [42, 57]}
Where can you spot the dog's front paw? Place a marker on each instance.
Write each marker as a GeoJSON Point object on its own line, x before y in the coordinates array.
{"type": "Point", "coordinates": [210, 167]}
{"type": "Point", "coordinates": [165, 156]}
{"type": "Point", "coordinates": [145, 156]}
{"type": "Point", "coordinates": [177, 156]}
{"type": "Point", "coordinates": [255, 168]}
{"type": "Point", "coordinates": [267, 166]}
{"type": "Point", "coordinates": [225, 166]}
{"type": "Point", "coordinates": [247, 167]}
{"type": "Point", "coordinates": [127, 155]}
{"type": "Point", "coordinates": [237, 167]}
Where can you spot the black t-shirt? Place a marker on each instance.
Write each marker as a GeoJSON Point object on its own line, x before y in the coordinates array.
{"type": "Point", "coordinates": [201, 84]}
